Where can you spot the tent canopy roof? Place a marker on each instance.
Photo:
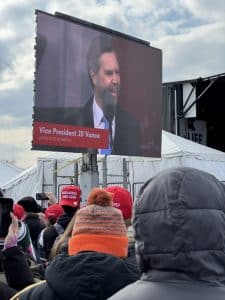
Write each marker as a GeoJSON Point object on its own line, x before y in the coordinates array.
{"type": "Point", "coordinates": [172, 146]}
{"type": "Point", "coordinates": [8, 171]}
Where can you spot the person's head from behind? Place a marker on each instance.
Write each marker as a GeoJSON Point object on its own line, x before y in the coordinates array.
{"type": "Point", "coordinates": [99, 227]}
{"type": "Point", "coordinates": [104, 72]}
{"type": "Point", "coordinates": [179, 223]}
{"type": "Point", "coordinates": [30, 205]}
{"type": "Point", "coordinates": [70, 199]}
{"type": "Point", "coordinates": [52, 213]}
{"type": "Point", "coordinates": [122, 200]}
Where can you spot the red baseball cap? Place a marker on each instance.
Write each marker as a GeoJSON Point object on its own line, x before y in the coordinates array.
{"type": "Point", "coordinates": [53, 211]}
{"type": "Point", "coordinates": [18, 211]}
{"type": "Point", "coordinates": [70, 196]}
{"type": "Point", "coordinates": [122, 200]}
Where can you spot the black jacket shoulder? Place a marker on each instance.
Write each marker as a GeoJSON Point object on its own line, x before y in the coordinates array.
{"type": "Point", "coordinates": [16, 268]}
{"type": "Point", "coordinates": [6, 292]}
{"type": "Point", "coordinates": [87, 275]}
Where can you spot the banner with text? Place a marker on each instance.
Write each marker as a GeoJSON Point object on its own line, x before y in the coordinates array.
{"type": "Point", "coordinates": [69, 136]}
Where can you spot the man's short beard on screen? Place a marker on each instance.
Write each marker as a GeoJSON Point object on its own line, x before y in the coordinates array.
{"type": "Point", "coordinates": [108, 105]}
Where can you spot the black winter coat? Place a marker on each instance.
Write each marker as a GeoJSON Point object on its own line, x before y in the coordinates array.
{"type": "Point", "coordinates": [87, 275]}
{"type": "Point", "coordinates": [6, 292]}
{"type": "Point", "coordinates": [16, 268]}
{"type": "Point", "coordinates": [50, 233]}
{"type": "Point", "coordinates": [35, 227]}
{"type": "Point", "coordinates": [179, 223]}
{"type": "Point", "coordinates": [131, 260]}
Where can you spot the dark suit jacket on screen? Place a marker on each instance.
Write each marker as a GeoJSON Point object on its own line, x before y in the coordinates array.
{"type": "Point", "coordinates": [127, 139]}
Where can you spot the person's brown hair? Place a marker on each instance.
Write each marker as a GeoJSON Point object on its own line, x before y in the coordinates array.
{"type": "Point", "coordinates": [99, 45]}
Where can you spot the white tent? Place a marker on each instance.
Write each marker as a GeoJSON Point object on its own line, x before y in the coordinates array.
{"type": "Point", "coordinates": [176, 151]}
{"type": "Point", "coordinates": [8, 171]}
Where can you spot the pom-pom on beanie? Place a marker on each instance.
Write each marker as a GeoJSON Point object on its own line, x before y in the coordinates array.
{"type": "Point", "coordinates": [99, 227]}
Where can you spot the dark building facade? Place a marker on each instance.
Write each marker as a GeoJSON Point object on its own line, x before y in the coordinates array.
{"type": "Point", "coordinates": [195, 109]}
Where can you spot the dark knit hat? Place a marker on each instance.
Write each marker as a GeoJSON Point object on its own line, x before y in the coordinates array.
{"type": "Point", "coordinates": [122, 200]}
{"type": "Point", "coordinates": [30, 204]}
{"type": "Point", "coordinates": [99, 227]}
{"type": "Point", "coordinates": [70, 196]}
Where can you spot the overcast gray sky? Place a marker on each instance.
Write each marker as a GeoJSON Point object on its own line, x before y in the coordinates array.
{"type": "Point", "coordinates": [189, 32]}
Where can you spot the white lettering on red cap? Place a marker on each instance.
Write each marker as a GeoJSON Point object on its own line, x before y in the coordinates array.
{"type": "Point", "coordinates": [69, 195]}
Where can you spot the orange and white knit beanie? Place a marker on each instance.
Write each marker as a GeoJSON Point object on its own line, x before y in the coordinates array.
{"type": "Point", "coordinates": [99, 227]}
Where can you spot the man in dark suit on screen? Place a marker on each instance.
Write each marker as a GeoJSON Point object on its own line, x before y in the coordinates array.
{"type": "Point", "coordinates": [102, 110]}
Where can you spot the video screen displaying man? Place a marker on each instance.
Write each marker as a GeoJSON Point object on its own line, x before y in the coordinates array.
{"type": "Point", "coordinates": [95, 89]}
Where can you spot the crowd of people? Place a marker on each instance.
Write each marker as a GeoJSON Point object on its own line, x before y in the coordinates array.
{"type": "Point", "coordinates": [169, 243]}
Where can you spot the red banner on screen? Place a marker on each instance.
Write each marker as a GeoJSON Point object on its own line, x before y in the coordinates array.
{"type": "Point", "coordinates": [69, 136]}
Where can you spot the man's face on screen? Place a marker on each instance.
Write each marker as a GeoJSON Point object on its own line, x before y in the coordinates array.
{"type": "Point", "coordinates": [107, 79]}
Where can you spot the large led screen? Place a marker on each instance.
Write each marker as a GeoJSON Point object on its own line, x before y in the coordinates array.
{"type": "Point", "coordinates": [96, 90]}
